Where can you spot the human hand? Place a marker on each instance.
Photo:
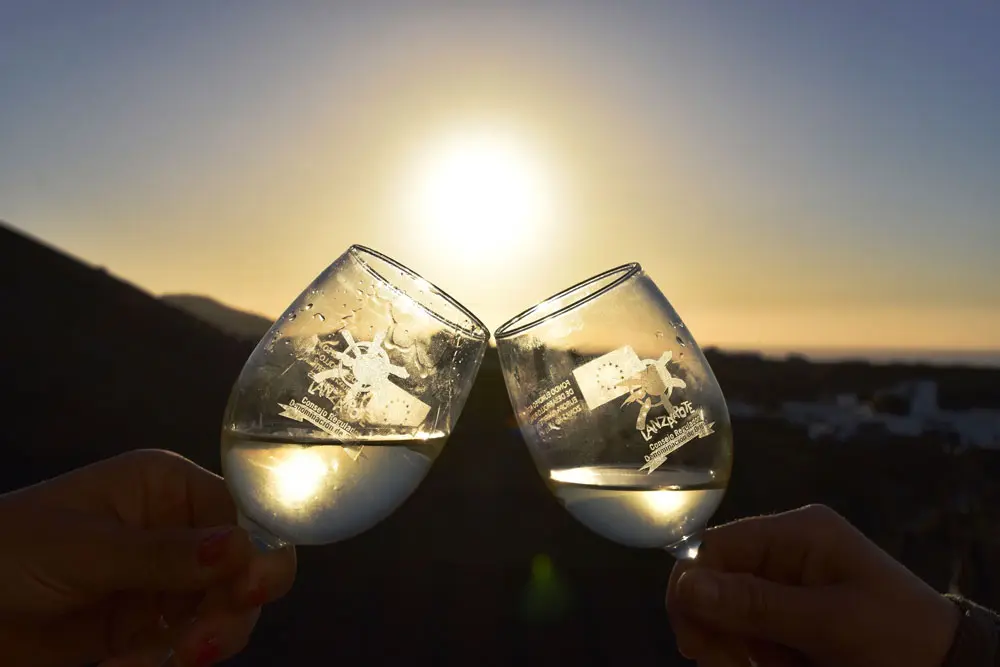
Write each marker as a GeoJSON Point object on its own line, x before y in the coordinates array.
{"type": "Point", "coordinates": [126, 560]}
{"type": "Point", "coordinates": [804, 588]}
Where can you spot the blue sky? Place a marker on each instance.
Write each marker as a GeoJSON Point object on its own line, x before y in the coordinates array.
{"type": "Point", "coordinates": [790, 173]}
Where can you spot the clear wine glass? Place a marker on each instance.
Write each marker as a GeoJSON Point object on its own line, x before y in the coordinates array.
{"type": "Point", "coordinates": [343, 406]}
{"type": "Point", "coordinates": [620, 410]}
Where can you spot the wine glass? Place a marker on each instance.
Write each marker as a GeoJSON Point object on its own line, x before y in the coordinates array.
{"type": "Point", "coordinates": [620, 410]}
{"type": "Point", "coordinates": [345, 403]}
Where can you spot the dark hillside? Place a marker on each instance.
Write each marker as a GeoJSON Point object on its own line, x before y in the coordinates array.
{"type": "Point", "coordinates": [93, 366]}
{"type": "Point", "coordinates": [481, 566]}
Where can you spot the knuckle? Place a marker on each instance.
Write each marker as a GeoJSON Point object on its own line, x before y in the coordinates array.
{"type": "Point", "coordinates": [758, 604]}
{"type": "Point", "coordinates": [148, 456]}
{"type": "Point", "coordinates": [822, 515]}
{"type": "Point", "coordinates": [751, 601]}
{"type": "Point", "coordinates": [147, 559]}
{"type": "Point", "coordinates": [140, 462]}
{"type": "Point", "coordinates": [170, 560]}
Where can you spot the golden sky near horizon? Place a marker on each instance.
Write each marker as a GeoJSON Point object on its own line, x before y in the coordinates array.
{"type": "Point", "coordinates": [787, 180]}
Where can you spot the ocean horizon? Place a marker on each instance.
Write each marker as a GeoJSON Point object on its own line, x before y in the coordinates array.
{"type": "Point", "coordinates": [975, 358]}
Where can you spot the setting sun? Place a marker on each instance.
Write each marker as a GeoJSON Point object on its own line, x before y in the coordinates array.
{"type": "Point", "coordinates": [479, 193]}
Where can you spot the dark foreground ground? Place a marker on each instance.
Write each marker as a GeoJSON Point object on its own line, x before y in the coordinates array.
{"type": "Point", "coordinates": [480, 566]}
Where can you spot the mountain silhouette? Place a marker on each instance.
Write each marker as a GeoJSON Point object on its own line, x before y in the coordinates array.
{"type": "Point", "coordinates": [237, 323]}
{"type": "Point", "coordinates": [93, 366]}
{"type": "Point", "coordinates": [481, 565]}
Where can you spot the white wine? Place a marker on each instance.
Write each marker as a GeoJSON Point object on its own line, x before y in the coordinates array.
{"type": "Point", "coordinates": [317, 492]}
{"type": "Point", "coordinates": [638, 509]}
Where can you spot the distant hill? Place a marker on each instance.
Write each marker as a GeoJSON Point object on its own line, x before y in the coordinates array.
{"type": "Point", "coordinates": [238, 323]}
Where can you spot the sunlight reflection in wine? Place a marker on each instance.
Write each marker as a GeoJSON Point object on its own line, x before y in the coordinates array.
{"type": "Point", "coordinates": [300, 475]}
{"type": "Point", "coordinates": [665, 503]}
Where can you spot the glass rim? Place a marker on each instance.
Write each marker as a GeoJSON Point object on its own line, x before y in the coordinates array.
{"type": "Point", "coordinates": [511, 327]}
{"type": "Point", "coordinates": [478, 330]}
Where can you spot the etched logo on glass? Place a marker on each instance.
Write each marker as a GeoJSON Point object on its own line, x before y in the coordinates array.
{"type": "Point", "coordinates": [649, 384]}
{"type": "Point", "coordinates": [357, 383]}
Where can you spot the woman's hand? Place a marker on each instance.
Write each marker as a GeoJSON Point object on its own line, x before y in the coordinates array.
{"type": "Point", "coordinates": [804, 588]}
{"type": "Point", "coordinates": [126, 560]}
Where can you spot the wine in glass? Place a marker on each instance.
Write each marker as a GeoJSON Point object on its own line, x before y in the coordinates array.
{"type": "Point", "coordinates": [620, 410]}
{"type": "Point", "coordinates": [343, 406]}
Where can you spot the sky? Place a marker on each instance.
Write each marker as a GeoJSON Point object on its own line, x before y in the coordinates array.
{"type": "Point", "coordinates": [790, 174]}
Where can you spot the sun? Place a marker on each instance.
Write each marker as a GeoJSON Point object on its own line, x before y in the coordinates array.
{"type": "Point", "coordinates": [480, 193]}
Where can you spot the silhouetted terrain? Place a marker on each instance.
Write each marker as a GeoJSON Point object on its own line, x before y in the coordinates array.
{"type": "Point", "coordinates": [92, 367]}
{"type": "Point", "coordinates": [236, 323]}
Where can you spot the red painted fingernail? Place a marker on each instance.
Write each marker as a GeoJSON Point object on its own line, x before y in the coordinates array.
{"type": "Point", "coordinates": [213, 548]}
{"type": "Point", "coordinates": [208, 653]}
{"type": "Point", "coordinates": [258, 596]}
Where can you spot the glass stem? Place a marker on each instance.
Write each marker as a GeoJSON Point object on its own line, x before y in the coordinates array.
{"type": "Point", "coordinates": [262, 539]}
{"type": "Point", "coordinates": [686, 548]}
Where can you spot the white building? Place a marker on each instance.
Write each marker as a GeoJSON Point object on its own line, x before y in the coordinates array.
{"type": "Point", "coordinates": [842, 418]}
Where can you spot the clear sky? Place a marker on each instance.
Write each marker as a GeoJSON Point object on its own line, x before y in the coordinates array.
{"type": "Point", "coordinates": [790, 173]}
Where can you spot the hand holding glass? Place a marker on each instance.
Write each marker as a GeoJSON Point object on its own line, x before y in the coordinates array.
{"type": "Point", "coordinates": [345, 403]}
{"type": "Point", "coordinates": [620, 410]}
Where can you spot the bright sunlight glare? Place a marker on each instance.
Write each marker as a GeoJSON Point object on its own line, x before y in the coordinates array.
{"type": "Point", "coordinates": [299, 475]}
{"type": "Point", "coordinates": [664, 503]}
{"type": "Point", "coordinates": [479, 193]}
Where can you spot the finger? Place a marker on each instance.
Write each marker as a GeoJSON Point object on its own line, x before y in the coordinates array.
{"type": "Point", "coordinates": [152, 649]}
{"type": "Point", "coordinates": [805, 541]}
{"type": "Point", "coordinates": [268, 576]}
{"type": "Point", "coordinates": [721, 656]}
{"type": "Point", "coordinates": [749, 607]}
{"type": "Point", "coordinates": [162, 560]}
{"type": "Point", "coordinates": [180, 608]}
{"type": "Point", "coordinates": [215, 637]}
{"type": "Point", "coordinates": [172, 491]}
{"type": "Point", "coordinates": [151, 489]}
{"type": "Point", "coordinates": [117, 626]}
{"type": "Point", "coordinates": [149, 658]}
{"type": "Point", "coordinates": [767, 654]}
{"type": "Point", "coordinates": [207, 498]}
{"type": "Point", "coordinates": [690, 637]}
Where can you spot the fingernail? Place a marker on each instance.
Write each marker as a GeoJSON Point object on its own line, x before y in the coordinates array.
{"type": "Point", "coordinates": [258, 596]}
{"type": "Point", "coordinates": [699, 588]}
{"type": "Point", "coordinates": [213, 547]}
{"type": "Point", "coordinates": [208, 653]}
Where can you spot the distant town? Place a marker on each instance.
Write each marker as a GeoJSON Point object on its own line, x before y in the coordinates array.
{"type": "Point", "coordinates": [909, 409]}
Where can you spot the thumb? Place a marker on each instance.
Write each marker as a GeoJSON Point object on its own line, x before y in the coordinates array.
{"type": "Point", "coordinates": [747, 606]}
{"type": "Point", "coordinates": [173, 560]}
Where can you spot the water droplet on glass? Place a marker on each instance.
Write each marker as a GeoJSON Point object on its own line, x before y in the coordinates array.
{"type": "Point", "coordinates": [659, 334]}
{"type": "Point", "coordinates": [291, 317]}
{"type": "Point", "coordinates": [320, 316]}
{"type": "Point", "coordinates": [680, 356]}
{"type": "Point", "coordinates": [308, 306]}
{"type": "Point", "coordinates": [680, 341]}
